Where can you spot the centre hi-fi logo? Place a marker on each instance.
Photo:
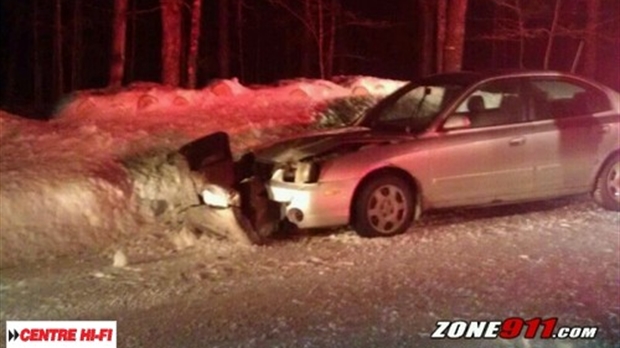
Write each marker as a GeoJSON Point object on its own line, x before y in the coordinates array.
{"type": "Point", "coordinates": [51, 334]}
{"type": "Point", "coordinates": [13, 335]}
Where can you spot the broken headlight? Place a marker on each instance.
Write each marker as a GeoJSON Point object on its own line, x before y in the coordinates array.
{"type": "Point", "coordinates": [216, 196]}
{"type": "Point", "coordinates": [306, 172]}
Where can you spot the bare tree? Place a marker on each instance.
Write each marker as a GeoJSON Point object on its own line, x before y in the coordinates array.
{"type": "Point", "coordinates": [552, 33]}
{"type": "Point", "coordinates": [455, 35]}
{"type": "Point", "coordinates": [59, 84]}
{"type": "Point", "coordinates": [522, 34]}
{"type": "Point", "coordinates": [331, 43]}
{"type": "Point", "coordinates": [321, 20]}
{"type": "Point", "coordinates": [117, 66]}
{"type": "Point", "coordinates": [239, 19]}
{"type": "Point", "coordinates": [533, 22]}
{"type": "Point", "coordinates": [311, 15]}
{"type": "Point", "coordinates": [171, 41]}
{"type": "Point", "coordinates": [427, 26]}
{"type": "Point", "coordinates": [307, 20]}
{"type": "Point", "coordinates": [38, 78]}
{"type": "Point", "coordinates": [591, 41]}
{"type": "Point", "coordinates": [442, 6]}
{"type": "Point", "coordinates": [449, 34]}
{"type": "Point", "coordinates": [320, 33]}
{"type": "Point", "coordinates": [131, 68]}
{"type": "Point", "coordinates": [509, 25]}
{"type": "Point", "coordinates": [10, 52]}
{"type": "Point", "coordinates": [224, 39]}
{"type": "Point", "coordinates": [76, 51]}
{"type": "Point", "coordinates": [443, 35]}
{"type": "Point", "coordinates": [194, 43]}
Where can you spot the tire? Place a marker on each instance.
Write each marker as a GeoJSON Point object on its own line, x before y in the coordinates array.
{"type": "Point", "coordinates": [384, 207]}
{"type": "Point", "coordinates": [607, 191]}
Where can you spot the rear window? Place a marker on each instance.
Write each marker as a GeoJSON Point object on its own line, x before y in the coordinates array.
{"type": "Point", "coordinates": [560, 99]}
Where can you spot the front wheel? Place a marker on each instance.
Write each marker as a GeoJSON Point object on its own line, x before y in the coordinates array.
{"type": "Point", "coordinates": [607, 191]}
{"type": "Point", "coordinates": [385, 207]}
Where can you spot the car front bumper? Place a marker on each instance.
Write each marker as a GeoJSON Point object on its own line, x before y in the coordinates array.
{"type": "Point", "coordinates": [313, 205]}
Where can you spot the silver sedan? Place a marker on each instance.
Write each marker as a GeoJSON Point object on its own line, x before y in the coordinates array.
{"type": "Point", "coordinates": [457, 139]}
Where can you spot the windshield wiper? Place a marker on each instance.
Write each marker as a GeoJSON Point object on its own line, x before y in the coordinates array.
{"type": "Point", "coordinates": [427, 91]}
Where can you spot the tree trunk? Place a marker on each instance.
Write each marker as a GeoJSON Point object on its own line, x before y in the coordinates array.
{"type": "Point", "coordinates": [331, 45]}
{"type": "Point", "coordinates": [442, 6]}
{"type": "Point", "coordinates": [38, 81]}
{"type": "Point", "coordinates": [308, 43]}
{"type": "Point", "coordinates": [552, 31]}
{"type": "Point", "coordinates": [522, 34]}
{"type": "Point", "coordinates": [76, 53]}
{"type": "Point", "coordinates": [194, 43]}
{"type": "Point", "coordinates": [224, 42]}
{"type": "Point", "coordinates": [455, 35]}
{"type": "Point", "coordinates": [321, 39]}
{"type": "Point", "coordinates": [591, 45]}
{"type": "Point", "coordinates": [495, 14]}
{"type": "Point", "coordinates": [171, 41]}
{"type": "Point", "coordinates": [117, 63]}
{"type": "Point", "coordinates": [426, 26]}
{"type": "Point", "coordinates": [240, 52]}
{"type": "Point", "coordinates": [131, 68]}
{"type": "Point", "coordinates": [59, 83]}
{"type": "Point", "coordinates": [10, 50]}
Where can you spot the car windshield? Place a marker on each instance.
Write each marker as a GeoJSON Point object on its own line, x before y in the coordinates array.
{"type": "Point", "coordinates": [412, 108]}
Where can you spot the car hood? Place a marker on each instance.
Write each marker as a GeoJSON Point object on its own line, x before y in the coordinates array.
{"type": "Point", "coordinates": [324, 144]}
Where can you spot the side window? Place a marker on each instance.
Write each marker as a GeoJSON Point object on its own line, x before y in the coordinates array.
{"type": "Point", "coordinates": [494, 103]}
{"type": "Point", "coordinates": [554, 98]}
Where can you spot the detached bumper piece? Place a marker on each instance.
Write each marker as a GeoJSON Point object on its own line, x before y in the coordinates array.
{"type": "Point", "coordinates": [234, 185]}
{"type": "Point", "coordinates": [263, 214]}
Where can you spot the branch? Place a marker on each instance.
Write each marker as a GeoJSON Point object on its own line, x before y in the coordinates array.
{"type": "Point", "coordinates": [282, 3]}
{"type": "Point", "coordinates": [352, 19]}
{"type": "Point", "coordinates": [505, 4]}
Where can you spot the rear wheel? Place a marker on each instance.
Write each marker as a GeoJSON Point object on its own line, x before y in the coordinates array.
{"type": "Point", "coordinates": [384, 207]}
{"type": "Point", "coordinates": [607, 192]}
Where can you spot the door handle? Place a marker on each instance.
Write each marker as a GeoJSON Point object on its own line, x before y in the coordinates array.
{"type": "Point", "coordinates": [603, 129]}
{"type": "Point", "coordinates": [517, 141]}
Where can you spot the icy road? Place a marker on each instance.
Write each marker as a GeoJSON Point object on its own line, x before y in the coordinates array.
{"type": "Point", "coordinates": [333, 289]}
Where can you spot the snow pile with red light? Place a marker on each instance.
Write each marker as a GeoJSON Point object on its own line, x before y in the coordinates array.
{"type": "Point", "coordinates": [65, 183]}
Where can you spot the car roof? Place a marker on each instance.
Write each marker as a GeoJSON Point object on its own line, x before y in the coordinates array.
{"type": "Point", "coordinates": [466, 78]}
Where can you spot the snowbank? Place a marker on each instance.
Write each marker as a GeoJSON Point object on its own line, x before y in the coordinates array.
{"type": "Point", "coordinates": [66, 186]}
{"type": "Point", "coordinates": [365, 85]}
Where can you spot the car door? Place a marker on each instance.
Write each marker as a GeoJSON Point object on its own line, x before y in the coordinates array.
{"type": "Point", "coordinates": [566, 134]}
{"type": "Point", "coordinates": [486, 162]}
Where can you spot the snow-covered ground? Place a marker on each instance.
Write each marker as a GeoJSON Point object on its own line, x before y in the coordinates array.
{"type": "Point", "coordinates": [100, 170]}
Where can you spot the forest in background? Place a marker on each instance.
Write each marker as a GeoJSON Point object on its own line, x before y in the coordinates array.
{"type": "Point", "coordinates": [54, 47]}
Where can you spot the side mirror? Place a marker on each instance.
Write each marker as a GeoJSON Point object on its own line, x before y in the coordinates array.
{"type": "Point", "coordinates": [456, 122]}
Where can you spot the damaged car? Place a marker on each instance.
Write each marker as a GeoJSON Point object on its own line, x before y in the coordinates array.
{"type": "Point", "coordinates": [454, 139]}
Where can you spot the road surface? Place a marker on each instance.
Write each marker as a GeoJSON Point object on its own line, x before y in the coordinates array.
{"type": "Point", "coordinates": [333, 289]}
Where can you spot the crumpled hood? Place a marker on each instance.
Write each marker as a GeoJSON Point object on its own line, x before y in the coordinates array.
{"type": "Point", "coordinates": [325, 143]}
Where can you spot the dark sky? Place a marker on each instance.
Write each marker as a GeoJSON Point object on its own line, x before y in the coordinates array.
{"type": "Point", "coordinates": [272, 45]}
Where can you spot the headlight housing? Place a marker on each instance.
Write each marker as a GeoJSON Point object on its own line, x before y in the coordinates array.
{"type": "Point", "coordinates": [301, 172]}
{"type": "Point", "coordinates": [306, 172]}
